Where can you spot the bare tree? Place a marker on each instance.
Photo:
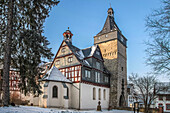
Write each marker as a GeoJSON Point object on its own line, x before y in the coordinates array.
{"type": "Point", "coordinates": [145, 88]}
{"type": "Point", "coordinates": [158, 46]}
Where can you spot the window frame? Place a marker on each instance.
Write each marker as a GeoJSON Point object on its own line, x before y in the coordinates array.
{"type": "Point", "coordinates": [87, 73]}
{"type": "Point", "coordinates": [104, 94]}
{"type": "Point", "coordinates": [70, 59]}
{"type": "Point", "coordinates": [167, 105]}
{"type": "Point", "coordinates": [53, 93]}
{"type": "Point", "coordinates": [98, 65]}
{"type": "Point", "coordinates": [99, 94]}
{"type": "Point", "coordinates": [94, 93]}
{"type": "Point", "coordinates": [57, 62]}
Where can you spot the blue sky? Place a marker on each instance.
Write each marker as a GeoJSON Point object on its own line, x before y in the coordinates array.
{"type": "Point", "coordinates": [86, 18]}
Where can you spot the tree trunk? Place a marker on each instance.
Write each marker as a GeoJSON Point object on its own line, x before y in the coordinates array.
{"type": "Point", "coordinates": [7, 57]}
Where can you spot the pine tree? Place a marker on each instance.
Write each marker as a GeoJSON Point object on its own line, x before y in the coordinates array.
{"type": "Point", "coordinates": [22, 43]}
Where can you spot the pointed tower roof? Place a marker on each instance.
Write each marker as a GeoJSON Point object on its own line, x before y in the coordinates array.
{"type": "Point", "coordinates": [110, 24]}
{"type": "Point", "coordinates": [55, 75]}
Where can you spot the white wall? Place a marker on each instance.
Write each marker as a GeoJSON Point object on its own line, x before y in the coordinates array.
{"type": "Point", "coordinates": [75, 95]}
{"type": "Point", "coordinates": [87, 101]}
{"type": "Point", "coordinates": [60, 101]}
{"type": "Point", "coordinates": [55, 102]}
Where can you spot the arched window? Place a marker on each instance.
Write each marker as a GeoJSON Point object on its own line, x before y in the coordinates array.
{"type": "Point", "coordinates": [94, 93]}
{"type": "Point", "coordinates": [104, 94]}
{"type": "Point", "coordinates": [55, 92]}
{"type": "Point", "coordinates": [99, 94]}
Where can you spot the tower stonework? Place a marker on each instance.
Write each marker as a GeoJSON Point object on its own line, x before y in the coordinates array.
{"type": "Point", "coordinates": [113, 48]}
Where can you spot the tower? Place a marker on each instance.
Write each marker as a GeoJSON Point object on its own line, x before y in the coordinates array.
{"type": "Point", "coordinates": [68, 36]}
{"type": "Point", "coordinates": [113, 48]}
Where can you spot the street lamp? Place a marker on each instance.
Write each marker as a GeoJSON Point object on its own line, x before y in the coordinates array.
{"type": "Point", "coordinates": [136, 107]}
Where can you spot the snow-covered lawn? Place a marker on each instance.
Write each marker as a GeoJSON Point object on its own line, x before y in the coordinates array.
{"type": "Point", "coordinates": [31, 109]}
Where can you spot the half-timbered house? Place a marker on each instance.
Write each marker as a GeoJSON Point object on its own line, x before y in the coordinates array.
{"type": "Point", "coordinates": [84, 70]}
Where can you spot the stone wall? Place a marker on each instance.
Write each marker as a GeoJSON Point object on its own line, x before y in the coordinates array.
{"type": "Point", "coordinates": [115, 60]}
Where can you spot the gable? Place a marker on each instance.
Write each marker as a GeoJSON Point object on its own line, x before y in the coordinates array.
{"type": "Point", "coordinates": [97, 53]}
{"type": "Point", "coordinates": [93, 51]}
{"type": "Point", "coordinates": [63, 50]}
{"type": "Point", "coordinates": [63, 56]}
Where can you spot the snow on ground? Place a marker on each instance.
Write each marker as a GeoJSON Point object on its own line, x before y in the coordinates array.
{"type": "Point", "coordinates": [32, 109]}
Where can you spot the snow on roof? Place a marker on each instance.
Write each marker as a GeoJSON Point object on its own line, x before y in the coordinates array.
{"type": "Point", "coordinates": [55, 75]}
{"type": "Point", "coordinates": [93, 48]}
{"type": "Point", "coordinates": [87, 62]}
{"type": "Point", "coordinates": [80, 54]}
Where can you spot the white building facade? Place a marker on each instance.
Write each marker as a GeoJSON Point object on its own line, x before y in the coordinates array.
{"type": "Point", "coordinates": [60, 92]}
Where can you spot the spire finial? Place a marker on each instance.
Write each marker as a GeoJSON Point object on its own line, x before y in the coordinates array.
{"type": "Point", "coordinates": [68, 27]}
{"type": "Point", "coordinates": [110, 5]}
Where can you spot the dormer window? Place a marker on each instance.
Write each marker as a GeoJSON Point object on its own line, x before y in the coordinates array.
{"type": "Point", "coordinates": [70, 59]}
{"type": "Point", "coordinates": [97, 52]}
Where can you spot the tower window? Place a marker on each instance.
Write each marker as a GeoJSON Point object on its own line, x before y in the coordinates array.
{"type": "Point", "coordinates": [122, 68]}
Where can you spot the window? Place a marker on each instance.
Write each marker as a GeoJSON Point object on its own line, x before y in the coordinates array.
{"type": "Point", "coordinates": [106, 36]}
{"type": "Point", "coordinates": [160, 97]}
{"type": "Point", "coordinates": [57, 62]}
{"type": "Point", "coordinates": [98, 38]}
{"type": "Point", "coordinates": [104, 94]}
{"type": "Point", "coordinates": [70, 59]}
{"type": "Point", "coordinates": [87, 74]}
{"type": "Point", "coordinates": [63, 50]}
{"type": "Point", "coordinates": [97, 52]}
{"type": "Point", "coordinates": [168, 97]}
{"type": "Point", "coordinates": [122, 68]}
{"type": "Point", "coordinates": [67, 93]}
{"type": "Point", "coordinates": [97, 65]}
{"type": "Point", "coordinates": [167, 106]}
{"type": "Point", "coordinates": [99, 94]}
{"type": "Point", "coordinates": [55, 92]}
{"type": "Point", "coordinates": [97, 75]}
{"type": "Point", "coordinates": [160, 105]}
{"type": "Point", "coordinates": [107, 79]}
{"type": "Point", "coordinates": [94, 93]}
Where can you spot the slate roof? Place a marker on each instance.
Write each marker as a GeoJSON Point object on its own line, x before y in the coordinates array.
{"type": "Point", "coordinates": [55, 75]}
{"type": "Point", "coordinates": [88, 52]}
{"type": "Point", "coordinates": [81, 54]}
{"type": "Point", "coordinates": [109, 26]}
